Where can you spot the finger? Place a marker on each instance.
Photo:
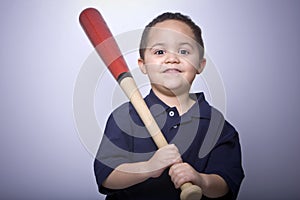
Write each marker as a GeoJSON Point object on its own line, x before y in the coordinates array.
{"type": "Point", "coordinates": [172, 169]}
{"type": "Point", "coordinates": [179, 178]}
{"type": "Point", "coordinates": [176, 168]}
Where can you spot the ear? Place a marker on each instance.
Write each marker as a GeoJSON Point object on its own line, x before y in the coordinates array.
{"type": "Point", "coordinates": [202, 65]}
{"type": "Point", "coordinates": [142, 66]}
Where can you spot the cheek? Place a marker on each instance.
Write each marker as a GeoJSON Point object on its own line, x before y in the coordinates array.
{"type": "Point", "coordinates": [191, 79]}
{"type": "Point", "coordinates": [152, 61]}
{"type": "Point", "coordinates": [195, 63]}
{"type": "Point", "coordinates": [191, 66]}
{"type": "Point", "coordinates": [152, 67]}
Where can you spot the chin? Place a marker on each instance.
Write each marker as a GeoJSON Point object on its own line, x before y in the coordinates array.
{"type": "Point", "coordinates": [172, 86]}
{"type": "Point", "coordinates": [176, 84]}
{"type": "Point", "coordinates": [177, 89]}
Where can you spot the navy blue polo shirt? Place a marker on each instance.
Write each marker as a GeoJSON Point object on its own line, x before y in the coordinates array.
{"type": "Point", "coordinates": [205, 140]}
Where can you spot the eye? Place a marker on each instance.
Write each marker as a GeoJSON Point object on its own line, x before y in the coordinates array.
{"type": "Point", "coordinates": [183, 51]}
{"type": "Point", "coordinates": [159, 52]}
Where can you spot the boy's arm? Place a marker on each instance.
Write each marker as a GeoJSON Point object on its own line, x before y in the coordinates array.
{"type": "Point", "coordinates": [128, 174]}
{"type": "Point", "coordinates": [213, 185]}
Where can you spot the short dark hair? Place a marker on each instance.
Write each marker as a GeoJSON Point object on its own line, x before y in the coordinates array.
{"type": "Point", "coordinates": [171, 16]}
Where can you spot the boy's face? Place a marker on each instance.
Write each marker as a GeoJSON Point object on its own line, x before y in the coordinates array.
{"type": "Point", "coordinates": [172, 57]}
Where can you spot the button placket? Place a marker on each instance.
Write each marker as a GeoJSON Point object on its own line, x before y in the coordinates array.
{"type": "Point", "coordinates": [173, 120]}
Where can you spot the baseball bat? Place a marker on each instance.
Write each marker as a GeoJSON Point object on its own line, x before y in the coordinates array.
{"type": "Point", "coordinates": [98, 32]}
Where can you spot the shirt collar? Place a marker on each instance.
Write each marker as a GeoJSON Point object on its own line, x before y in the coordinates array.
{"type": "Point", "coordinates": [158, 107]}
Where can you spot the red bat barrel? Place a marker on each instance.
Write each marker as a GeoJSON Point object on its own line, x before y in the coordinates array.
{"type": "Point", "coordinates": [99, 34]}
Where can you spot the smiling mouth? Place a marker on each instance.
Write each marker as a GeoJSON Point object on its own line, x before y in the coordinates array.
{"type": "Point", "coordinates": [172, 70]}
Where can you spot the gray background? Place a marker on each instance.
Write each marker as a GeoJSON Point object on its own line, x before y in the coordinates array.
{"type": "Point", "coordinates": [254, 44]}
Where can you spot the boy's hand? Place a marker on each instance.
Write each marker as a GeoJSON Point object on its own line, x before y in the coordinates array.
{"type": "Point", "coordinates": [163, 158]}
{"type": "Point", "coordinates": [183, 172]}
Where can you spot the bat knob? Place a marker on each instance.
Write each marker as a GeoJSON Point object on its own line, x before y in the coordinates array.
{"type": "Point", "coordinates": [190, 192]}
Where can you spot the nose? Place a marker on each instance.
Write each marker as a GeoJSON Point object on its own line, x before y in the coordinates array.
{"type": "Point", "coordinates": [172, 57]}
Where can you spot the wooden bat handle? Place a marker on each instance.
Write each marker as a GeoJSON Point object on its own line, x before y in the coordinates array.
{"type": "Point", "coordinates": [188, 190]}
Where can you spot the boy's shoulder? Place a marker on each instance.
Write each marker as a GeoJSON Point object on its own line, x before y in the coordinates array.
{"type": "Point", "coordinates": [123, 111]}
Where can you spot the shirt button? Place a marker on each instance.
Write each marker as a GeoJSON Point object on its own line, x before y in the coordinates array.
{"type": "Point", "coordinates": [175, 126]}
{"type": "Point", "coordinates": [171, 113]}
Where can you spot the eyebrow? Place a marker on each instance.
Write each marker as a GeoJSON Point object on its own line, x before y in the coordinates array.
{"type": "Point", "coordinates": [186, 43]}
{"type": "Point", "coordinates": [164, 44]}
{"type": "Point", "coordinates": [156, 44]}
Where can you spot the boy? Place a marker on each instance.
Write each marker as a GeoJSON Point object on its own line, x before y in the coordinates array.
{"type": "Point", "coordinates": [128, 165]}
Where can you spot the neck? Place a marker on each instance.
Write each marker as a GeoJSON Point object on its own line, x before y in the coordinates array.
{"type": "Point", "coordinates": [182, 101]}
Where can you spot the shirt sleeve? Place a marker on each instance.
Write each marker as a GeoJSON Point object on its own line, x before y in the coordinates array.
{"type": "Point", "coordinates": [114, 149]}
{"type": "Point", "coordinates": [225, 160]}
